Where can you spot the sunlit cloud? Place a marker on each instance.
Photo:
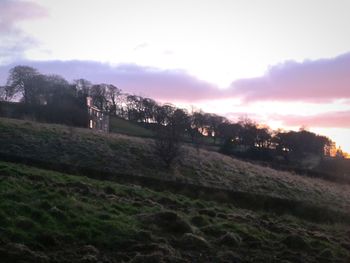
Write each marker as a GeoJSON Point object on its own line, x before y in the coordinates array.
{"type": "Point", "coordinates": [320, 81]}
{"type": "Point", "coordinates": [339, 119]}
{"type": "Point", "coordinates": [181, 88]}
{"type": "Point", "coordinates": [268, 61]}
{"type": "Point", "coordinates": [216, 42]}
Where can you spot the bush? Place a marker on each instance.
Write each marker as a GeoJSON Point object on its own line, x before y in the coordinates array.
{"type": "Point", "coordinates": [167, 145]}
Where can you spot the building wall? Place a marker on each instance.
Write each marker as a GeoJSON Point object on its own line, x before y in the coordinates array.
{"type": "Point", "coordinates": [98, 120]}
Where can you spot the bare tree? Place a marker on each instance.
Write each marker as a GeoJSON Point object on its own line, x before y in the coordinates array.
{"type": "Point", "coordinates": [99, 95]}
{"type": "Point", "coordinates": [23, 80]}
{"type": "Point", "coordinates": [214, 122]}
{"type": "Point", "coordinates": [56, 89]}
{"type": "Point", "coordinates": [114, 98]}
{"type": "Point", "coordinates": [83, 87]}
{"type": "Point", "coordinates": [149, 106]}
{"type": "Point", "coordinates": [169, 136]}
{"type": "Point", "coordinates": [4, 93]}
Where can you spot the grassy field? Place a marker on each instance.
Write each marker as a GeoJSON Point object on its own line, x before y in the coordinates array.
{"type": "Point", "coordinates": [118, 125]}
{"type": "Point", "coordinates": [54, 217]}
{"type": "Point", "coordinates": [61, 146]}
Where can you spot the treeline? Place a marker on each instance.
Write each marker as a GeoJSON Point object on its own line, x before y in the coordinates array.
{"type": "Point", "coordinates": [173, 125]}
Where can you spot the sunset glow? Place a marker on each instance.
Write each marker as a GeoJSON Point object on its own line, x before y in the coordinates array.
{"type": "Point", "coordinates": [282, 63]}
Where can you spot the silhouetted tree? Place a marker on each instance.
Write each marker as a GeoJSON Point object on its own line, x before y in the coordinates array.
{"type": "Point", "coordinates": [227, 130]}
{"type": "Point", "coordinates": [198, 127]}
{"type": "Point", "coordinates": [54, 99]}
{"type": "Point", "coordinates": [214, 122]}
{"type": "Point", "coordinates": [300, 143]}
{"type": "Point", "coordinates": [340, 154]}
{"type": "Point", "coordinates": [134, 108]}
{"type": "Point", "coordinates": [229, 133]}
{"type": "Point", "coordinates": [199, 121]}
{"type": "Point", "coordinates": [163, 114]}
{"type": "Point", "coordinates": [114, 98]}
{"type": "Point", "coordinates": [263, 139]}
{"type": "Point", "coordinates": [4, 93]}
{"type": "Point", "coordinates": [56, 90]}
{"type": "Point", "coordinates": [25, 81]}
{"type": "Point", "coordinates": [99, 96]}
{"type": "Point", "coordinates": [170, 132]}
{"type": "Point", "coordinates": [148, 106]}
{"type": "Point", "coordinates": [82, 87]}
{"type": "Point", "coordinates": [248, 133]}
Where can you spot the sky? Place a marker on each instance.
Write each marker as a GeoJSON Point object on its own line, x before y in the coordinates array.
{"type": "Point", "coordinates": [279, 62]}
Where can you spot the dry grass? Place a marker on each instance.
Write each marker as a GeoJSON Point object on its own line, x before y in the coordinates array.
{"type": "Point", "coordinates": [133, 155]}
{"type": "Point", "coordinates": [214, 169]}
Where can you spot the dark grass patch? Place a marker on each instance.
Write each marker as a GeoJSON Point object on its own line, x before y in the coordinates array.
{"type": "Point", "coordinates": [118, 125]}
{"type": "Point", "coordinates": [134, 220]}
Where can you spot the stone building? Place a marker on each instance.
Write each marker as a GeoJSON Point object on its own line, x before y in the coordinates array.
{"type": "Point", "coordinates": [98, 120]}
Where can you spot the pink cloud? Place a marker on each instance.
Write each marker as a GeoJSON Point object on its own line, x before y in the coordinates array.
{"type": "Point", "coordinates": [310, 81]}
{"type": "Point", "coordinates": [13, 11]}
{"type": "Point", "coordinates": [339, 119]}
{"type": "Point", "coordinates": [13, 41]}
{"type": "Point", "coordinates": [164, 85]}
{"type": "Point", "coordinates": [319, 81]}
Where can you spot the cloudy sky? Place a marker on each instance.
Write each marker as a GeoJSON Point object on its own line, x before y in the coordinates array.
{"type": "Point", "coordinates": [285, 63]}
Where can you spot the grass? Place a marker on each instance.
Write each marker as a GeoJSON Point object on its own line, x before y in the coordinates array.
{"type": "Point", "coordinates": [61, 146]}
{"type": "Point", "coordinates": [49, 216]}
{"type": "Point", "coordinates": [34, 203]}
{"type": "Point", "coordinates": [121, 126]}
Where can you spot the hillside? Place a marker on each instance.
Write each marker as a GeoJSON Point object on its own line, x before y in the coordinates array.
{"type": "Point", "coordinates": [207, 208]}
{"type": "Point", "coordinates": [121, 126]}
{"type": "Point", "coordinates": [72, 150]}
{"type": "Point", "coordinates": [53, 217]}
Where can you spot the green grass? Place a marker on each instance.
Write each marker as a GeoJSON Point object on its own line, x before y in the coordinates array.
{"type": "Point", "coordinates": [57, 215]}
{"type": "Point", "coordinates": [37, 202]}
{"type": "Point", "coordinates": [118, 125]}
{"type": "Point", "coordinates": [124, 155]}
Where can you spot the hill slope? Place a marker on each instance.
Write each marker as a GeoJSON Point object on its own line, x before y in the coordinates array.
{"type": "Point", "coordinates": [119, 125]}
{"type": "Point", "coordinates": [53, 217]}
{"type": "Point", "coordinates": [83, 151]}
